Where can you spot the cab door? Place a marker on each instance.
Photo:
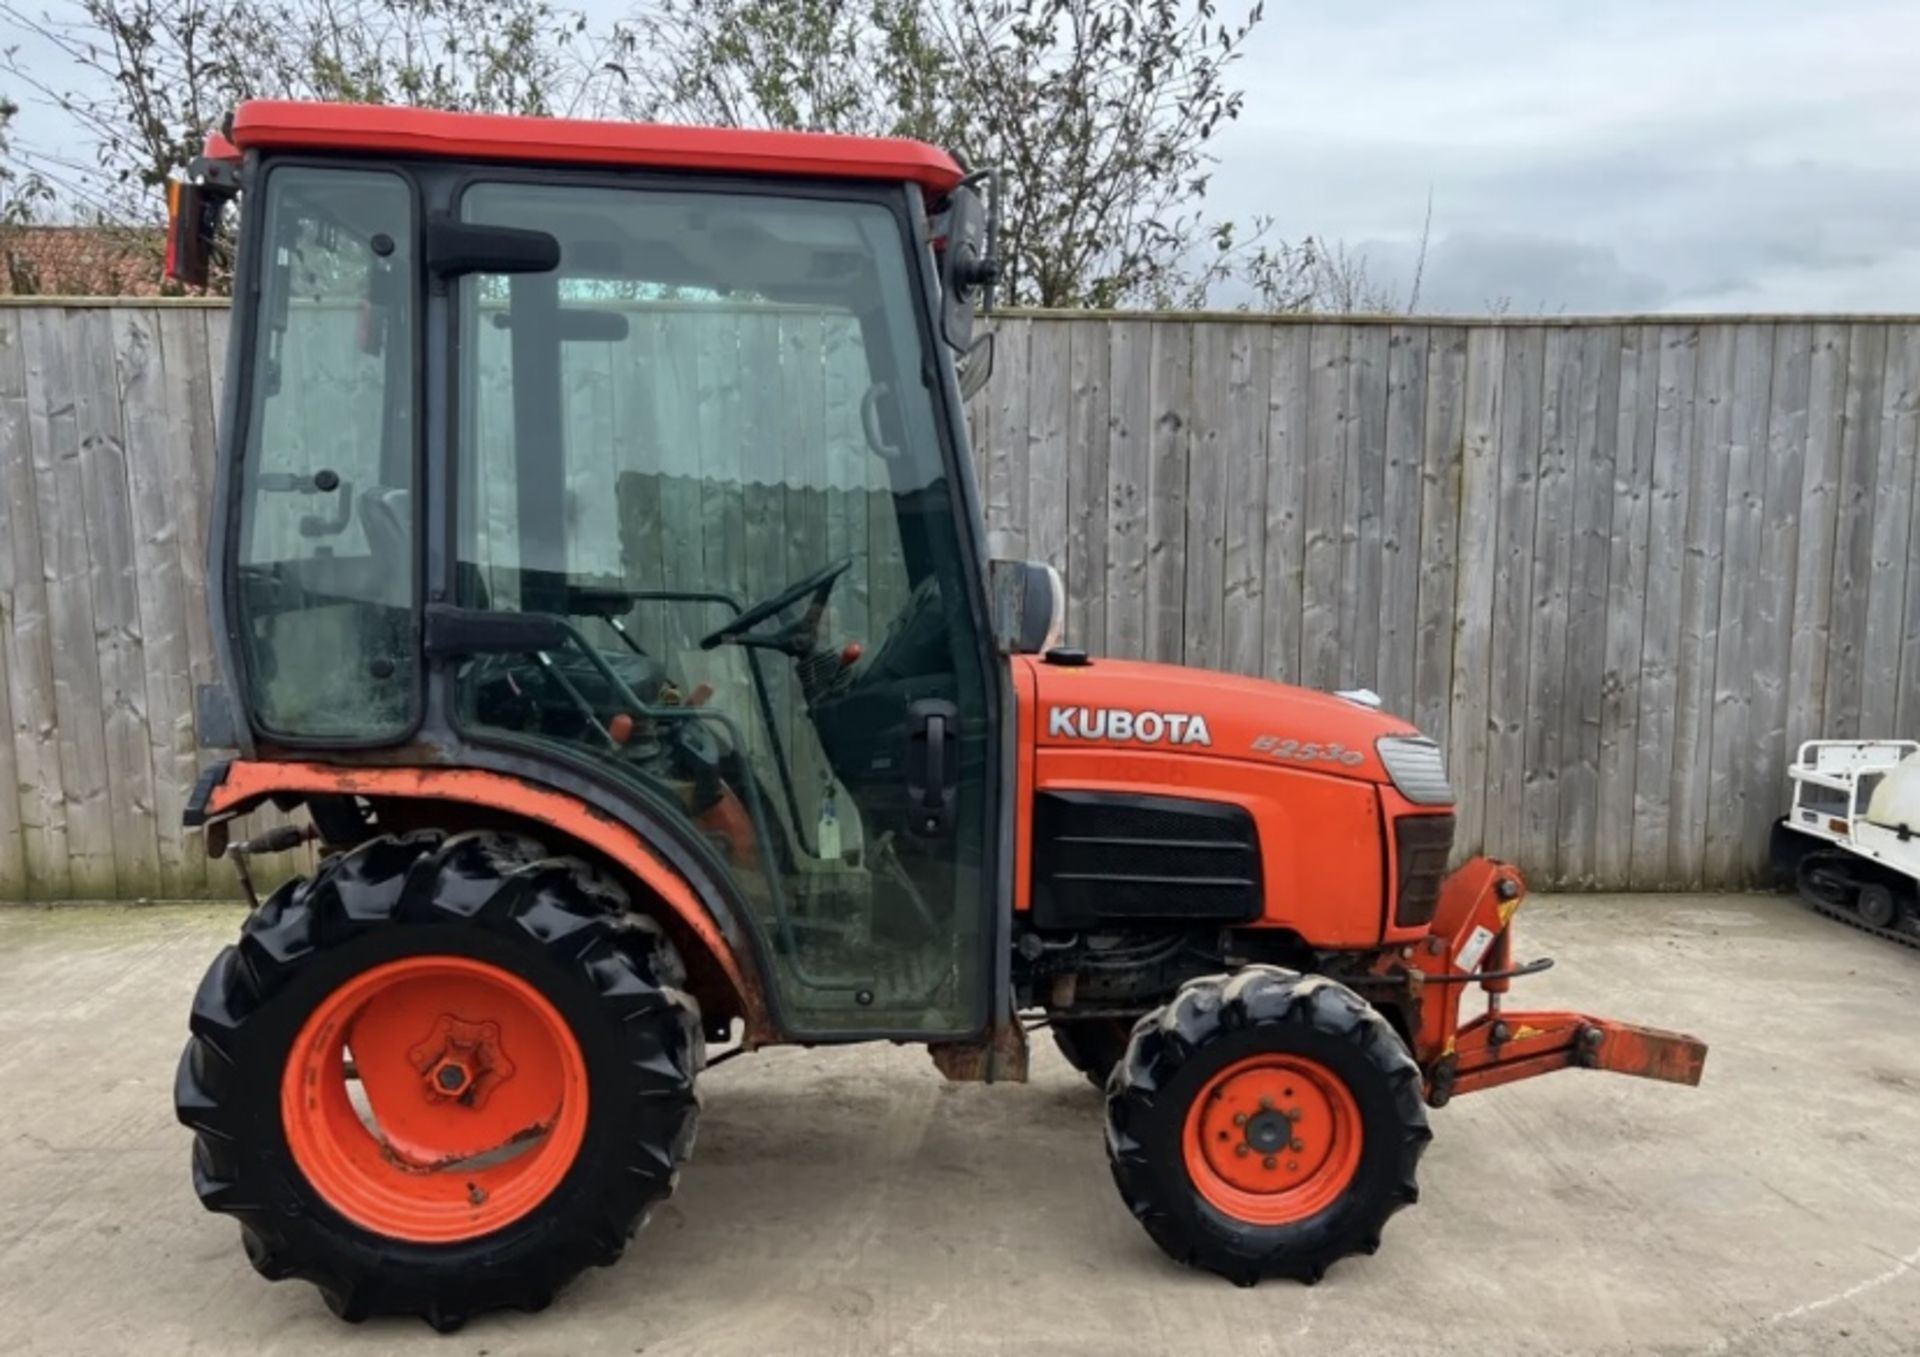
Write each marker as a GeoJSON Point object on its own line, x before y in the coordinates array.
{"type": "Point", "coordinates": [710, 444]}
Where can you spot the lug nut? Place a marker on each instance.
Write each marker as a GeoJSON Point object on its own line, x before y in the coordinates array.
{"type": "Point", "coordinates": [1241, 1149]}
{"type": "Point", "coordinates": [1292, 1166]}
{"type": "Point", "coordinates": [1297, 1146]}
{"type": "Point", "coordinates": [1268, 1161]}
{"type": "Point", "coordinates": [1239, 1118]}
{"type": "Point", "coordinates": [1266, 1104]}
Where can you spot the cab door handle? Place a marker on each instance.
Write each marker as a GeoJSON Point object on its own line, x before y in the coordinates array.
{"type": "Point", "coordinates": [933, 766]}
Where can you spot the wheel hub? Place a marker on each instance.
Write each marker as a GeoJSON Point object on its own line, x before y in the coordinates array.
{"type": "Point", "coordinates": [1273, 1138]}
{"type": "Point", "coordinates": [461, 1061]}
{"type": "Point", "coordinates": [1269, 1132]}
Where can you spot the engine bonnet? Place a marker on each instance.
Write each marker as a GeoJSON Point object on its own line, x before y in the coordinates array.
{"type": "Point", "coordinates": [1170, 709]}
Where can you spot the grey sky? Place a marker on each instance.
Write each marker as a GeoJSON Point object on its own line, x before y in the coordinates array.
{"type": "Point", "coordinates": [1627, 155]}
{"type": "Point", "coordinates": [1643, 155]}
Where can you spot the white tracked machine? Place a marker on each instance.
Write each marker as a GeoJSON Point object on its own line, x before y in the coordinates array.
{"type": "Point", "coordinates": [1851, 841]}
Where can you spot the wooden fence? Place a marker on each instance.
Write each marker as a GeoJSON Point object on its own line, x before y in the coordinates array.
{"type": "Point", "coordinates": [1618, 568]}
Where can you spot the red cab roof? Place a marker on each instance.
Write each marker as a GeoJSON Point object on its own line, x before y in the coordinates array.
{"type": "Point", "coordinates": [285, 125]}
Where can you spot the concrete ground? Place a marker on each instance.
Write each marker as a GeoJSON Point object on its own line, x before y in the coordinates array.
{"type": "Point", "coordinates": [850, 1202]}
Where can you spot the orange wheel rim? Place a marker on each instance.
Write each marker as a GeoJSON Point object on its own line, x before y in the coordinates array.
{"type": "Point", "coordinates": [472, 1107]}
{"type": "Point", "coordinates": [1273, 1139]}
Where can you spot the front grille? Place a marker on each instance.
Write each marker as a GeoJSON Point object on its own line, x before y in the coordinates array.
{"type": "Point", "coordinates": [1105, 858]}
{"type": "Point", "coordinates": [1422, 844]}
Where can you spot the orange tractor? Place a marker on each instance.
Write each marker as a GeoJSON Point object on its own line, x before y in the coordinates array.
{"type": "Point", "coordinates": [597, 565]}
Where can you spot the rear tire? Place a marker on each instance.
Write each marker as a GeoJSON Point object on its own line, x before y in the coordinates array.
{"type": "Point", "coordinates": [1093, 1045]}
{"type": "Point", "coordinates": [1266, 1124]}
{"type": "Point", "coordinates": [590, 1015]}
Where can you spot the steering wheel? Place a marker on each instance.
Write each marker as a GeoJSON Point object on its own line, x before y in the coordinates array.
{"type": "Point", "coordinates": [796, 640]}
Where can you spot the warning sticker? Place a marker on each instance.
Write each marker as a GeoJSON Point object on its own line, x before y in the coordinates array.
{"type": "Point", "coordinates": [1475, 947]}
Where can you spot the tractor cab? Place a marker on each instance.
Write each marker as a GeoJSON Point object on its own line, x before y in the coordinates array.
{"type": "Point", "coordinates": [644, 481]}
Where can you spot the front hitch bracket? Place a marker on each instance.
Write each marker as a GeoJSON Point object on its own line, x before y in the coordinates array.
{"type": "Point", "coordinates": [1470, 942]}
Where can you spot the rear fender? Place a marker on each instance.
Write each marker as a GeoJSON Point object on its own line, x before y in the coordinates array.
{"type": "Point", "coordinates": [713, 947]}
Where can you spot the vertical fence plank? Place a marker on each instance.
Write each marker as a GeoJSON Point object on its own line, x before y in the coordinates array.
{"type": "Point", "coordinates": [1326, 454]}
{"type": "Point", "coordinates": [1552, 575]}
{"type": "Point", "coordinates": [1087, 446]}
{"type": "Point", "coordinates": [1724, 855]}
{"type": "Point", "coordinates": [1171, 402]}
{"type": "Point", "coordinates": [1819, 506]}
{"type": "Point", "coordinates": [1673, 457]}
{"type": "Point", "coordinates": [1469, 719]}
{"type": "Point", "coordinates": [1907, 715]}
{"type": "Point", "coordinates": [1244, 609]}
{"type": "Point", "coordinates": [1368, 385]}
{"type": "Point", "coordinates": [1004, 450]}
{"type": "Point", "coordinates": [1289, 366]}
{"type": "Point", "coordinates": [1595, 446]}
{"type": "Point", "coordinates": [1635, 413]}
{"type": "Point", "coordinates": [1699, 604]}
{"type": "Point", "coordinates": [1770, 635]}
{"type": "Point", "coordinates": [1400, 494]}
{"type": "Point", "coordinates": [1206, 495]}
{"type": "Point", "coordinates": [1853, 531]}
{"type": "Point", "coordinates": [1049, 413]}
{"type": "Point", "coordinates": [1519, 454]}
{"type": "Point", "coordinates": [14, 874]}
{"type": "Point", "coordinates": [1436, 551]}
{"type": "Point", "coordinates": [193, 346]}
{"type": "Point", "coordinates": [1891, 552]}
{"type": "Point", "coordinates": [47, 849]}
{"type": "Point", "coordinates": [1129, 454]}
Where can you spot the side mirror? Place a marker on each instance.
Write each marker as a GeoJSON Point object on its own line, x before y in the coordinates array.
{"type": "Point", "coordinates": [976, 365]}
{"type": "Point", "coordinates": [1029, 602]}
{"type": "Point", "coordinates": [965, 266]}
{"type": "Point", "coordinates": [193, 223]}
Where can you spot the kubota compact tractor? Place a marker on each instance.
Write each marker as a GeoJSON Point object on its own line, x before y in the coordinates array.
{"type": "Point", "coordinates": [597, 563]}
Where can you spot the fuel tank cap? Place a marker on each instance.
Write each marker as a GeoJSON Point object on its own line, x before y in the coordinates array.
{"type": "Point", "coordinates": [1071, 657]}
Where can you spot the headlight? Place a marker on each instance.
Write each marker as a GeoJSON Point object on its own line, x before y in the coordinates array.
{"type": "Point", "coordinates": [1418, 771]}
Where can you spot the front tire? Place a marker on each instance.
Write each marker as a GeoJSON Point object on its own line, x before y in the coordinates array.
{"type": "Point", "coordinates": [1266, 1124]}
{"type": "Point", "coordinates": [524, 1056]}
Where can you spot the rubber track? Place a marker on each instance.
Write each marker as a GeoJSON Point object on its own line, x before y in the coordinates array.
{"type": "Point", "coordinates": [1847, 916]}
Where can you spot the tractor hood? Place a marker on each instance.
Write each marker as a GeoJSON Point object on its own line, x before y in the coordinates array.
{"type": "Point", "coordinates": [1165, 708]}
